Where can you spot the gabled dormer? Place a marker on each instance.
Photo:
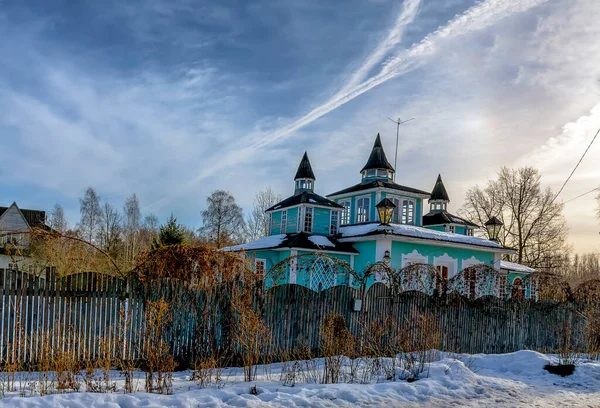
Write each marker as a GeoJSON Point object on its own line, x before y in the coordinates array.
{"type": "Point", "coordinates": [377, 167]}
{"type": "Point", "coordinates": [305, 178]}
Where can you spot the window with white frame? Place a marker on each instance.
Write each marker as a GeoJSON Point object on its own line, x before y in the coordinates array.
{"type": "Point", "coordinates": [363, 208]}
{"type": "Point", "coordinates": [333, 225]}
{"type": "Point", "coordinates": [304, 184]}
{"type": "Point", "coordinates": [308, 219]}
{"type": "Point", "coordinates": [470, 232]}
{"type": "Point", "coordinates": [408, 212]}
{"type": "Point", "coordinates": [345, 212]}
{"type": "Point", "coordinates": [299, 223]}
{"type": "Point", "coordinates": [396, 212]}
{"type": "Point", "coordinates": [283, 221]}
{"type": "Point", "coordinates": [260, 266]}
{"type": "Point", "coordinates": [451, 228]}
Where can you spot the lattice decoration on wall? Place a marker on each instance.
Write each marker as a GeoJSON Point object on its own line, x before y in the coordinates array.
{"type": "Point", "coordinates": [316, 270]}
{"type": "Point", "coordinates": [477, 281]}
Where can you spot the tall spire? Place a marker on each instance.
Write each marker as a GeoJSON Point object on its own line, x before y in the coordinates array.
{"type": "Point", "coordinates": [377, 159]}
{"type": "Point", "coordinates": [304, 169]}
{"type": "Point", "coordinates": [439, 198]}
{"type": "Point", "coordinates": [305, 178]}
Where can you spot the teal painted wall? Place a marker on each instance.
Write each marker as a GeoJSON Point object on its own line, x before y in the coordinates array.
{"type": "Point", "coordinates": [276, 223]}
{"type": "Point", "coordinates": [366, 257]}
{"type": "Point", "coordinates": [436, 227]}
{"type": "Point", "coordinates": [460, 230]}
{"type": "Point", "coordinates": [321, 217]}
{"type": "Point", "coordinates": [292, 220]}
{"type": "Point", "coordinates": [432, 251]}
{"type": "Point", "coordinates": [272, 258]}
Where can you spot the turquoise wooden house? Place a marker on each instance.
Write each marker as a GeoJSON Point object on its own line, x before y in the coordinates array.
{"type": "Point", "coordinates": [373, 221]}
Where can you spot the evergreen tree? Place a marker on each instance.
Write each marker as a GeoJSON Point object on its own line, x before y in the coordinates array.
{"type": "Point", "coordinates": [170, 233]}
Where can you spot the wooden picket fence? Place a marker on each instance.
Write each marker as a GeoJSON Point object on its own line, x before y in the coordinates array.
{"type": "Point", "coordinates": [81, 312]}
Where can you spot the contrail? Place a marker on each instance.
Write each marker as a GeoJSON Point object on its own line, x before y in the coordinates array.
{"type": "Point", "coordinates": [394, 37]}
{"type": "Point", "coordinates": [475, 18]}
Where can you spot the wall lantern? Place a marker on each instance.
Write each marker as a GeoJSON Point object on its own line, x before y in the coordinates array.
{"type": "Point", "coordinates": [386, 257]}
{"type": "Point", "coordinates": [493, 226]}
{"type": "Point", "coordinates": [385, 208]}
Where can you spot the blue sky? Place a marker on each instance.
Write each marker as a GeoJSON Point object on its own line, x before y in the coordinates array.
{"type": "Point", "coordinates": [174, 99]}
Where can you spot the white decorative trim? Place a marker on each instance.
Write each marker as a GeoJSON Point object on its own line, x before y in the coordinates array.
{"type": "Point", "coordinates": [381, 245]}
{"type": "Point", "coordinates": [413, 257]}
{"type": "Point", "coordinates": [446, 260]}
{"type": "Point", "coordinates": [293, 266]}
{"type": "Point", "coordinates": [263, 261]}
{"type": "Point", "coordinates": [470, 262]}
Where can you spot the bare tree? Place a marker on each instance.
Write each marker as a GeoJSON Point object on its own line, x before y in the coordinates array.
{"type": "Point", "coordinates": [533, 222]}
{"type": "Point", "coordinates": [109, 232]}
{"type": "Point", "coordinates": [581, 268]}
{"type": "Point", "coordinates": [223, 220]}
{"type": "Point", "coordinates": [89, 207]}
{"type": "Point", "coordinates": [598, 205]}
{"type": "Point", "coordinates": [132, 226]}
{"type": "Point", "coordinates": [258, 221]}
{"type": "Point", "coordinates": [148, 231]}
{"type": "Point", "coordinates": [57, 219]}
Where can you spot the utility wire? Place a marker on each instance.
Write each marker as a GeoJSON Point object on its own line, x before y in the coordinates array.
{"type": "Point", "coordinates": [581, 195]}
{"type": "Point", "coordinates": [577, 165]}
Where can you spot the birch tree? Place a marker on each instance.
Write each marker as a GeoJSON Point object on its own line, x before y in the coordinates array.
{"type": "Point", "coordinates": [57, 219]}
{"type": "Point", "coordinates": [89, 208]}
{"type": "Point", "coordinates": [109, 231]}
{"type": "Point", "coordinates": [223, 220]}
{"type": "Point", "coordinates": [131, 228]}
{"type": "Point", "coordinates": [258, 221]}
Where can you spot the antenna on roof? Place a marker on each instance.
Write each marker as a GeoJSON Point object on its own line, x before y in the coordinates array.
{"type": "Point", "coordinates": [398, 123]}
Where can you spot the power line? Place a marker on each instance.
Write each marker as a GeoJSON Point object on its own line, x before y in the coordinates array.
{"type": "Point", "coordinates": [577, 165]}
{"type": "Point", "coordinates": [581, 195]}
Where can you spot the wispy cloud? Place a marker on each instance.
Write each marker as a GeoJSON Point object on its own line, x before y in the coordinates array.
{"type": "Point", "coordinates": [476, 18]}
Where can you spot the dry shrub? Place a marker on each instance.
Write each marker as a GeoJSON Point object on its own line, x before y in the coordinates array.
{"type": "Point", "coordinates": [159, 363]}
{"type": "Point", "coordinates": [421, 348]}
{"type": "Point", "coordinates": [592, 314]}
{"type": "Point", "coordinates": [208, 370]}
{"type": "Point", "coordinates": [251, 335]}
{"type": "Point", "coordinates": [125, 360]}
{"type": "Point", "coordinates": [384, 340]}
{"type": "Point", "coordinates": [68, 371]}
{"type": "Point", "coordinates": [336, 340]}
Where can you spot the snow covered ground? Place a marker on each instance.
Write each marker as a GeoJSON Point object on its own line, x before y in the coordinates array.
{"type": "Point", "coordinates": [507, 380]}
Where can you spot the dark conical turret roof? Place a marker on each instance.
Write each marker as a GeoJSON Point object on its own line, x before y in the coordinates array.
{"type": "Point", "coordinates": [305, 170]}
{"type": "Point", "coordinates": [377, 159]}
{"type": "Point", "coordinates": [439, 191]}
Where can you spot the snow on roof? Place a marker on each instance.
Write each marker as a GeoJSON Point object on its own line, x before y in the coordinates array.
{"type": "Point", "coordinates": [415, 232]}
{"type": "Point", "coordinates": [511, 266]}
{"type": "Point", "coordinates": [271, 241]}
{"type": "Point", "coordinates": [321, 241]}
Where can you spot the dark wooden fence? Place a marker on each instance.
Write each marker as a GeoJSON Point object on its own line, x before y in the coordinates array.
{"type": "Point", "coordinates": [85, 312]}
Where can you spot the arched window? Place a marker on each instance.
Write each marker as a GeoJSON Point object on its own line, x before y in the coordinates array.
{"type": "Point", "coordinates": [517, 289]}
